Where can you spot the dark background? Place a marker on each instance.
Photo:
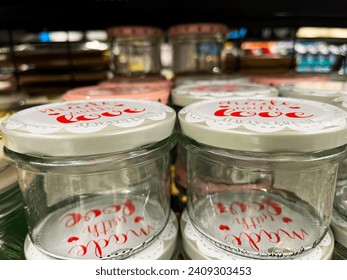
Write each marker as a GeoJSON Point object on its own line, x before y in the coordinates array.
{"type": "Point", "coordinates": [99, 14]}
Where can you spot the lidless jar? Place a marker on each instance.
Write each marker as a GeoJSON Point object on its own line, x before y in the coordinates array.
{"type": "Point", "coordinates": [94, 175]}
{"type": "Point", "coordinates": [261, 172]}
{"type": "Point", "coordinates": [197, 48]}
{"type": "Point", "coordinates": [324, 91]}
{"type": "Point", "coordinates": [135, 50]}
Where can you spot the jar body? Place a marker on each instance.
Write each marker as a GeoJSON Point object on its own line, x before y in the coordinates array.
{"type": "Point", "coordinates": [107, 206]}
{"type": "Point", "coordinates": [197, 53]}
{"type": "Point", "coordinates": [136, 56]}
{"type": "Point", "coordinates": [267, 206]}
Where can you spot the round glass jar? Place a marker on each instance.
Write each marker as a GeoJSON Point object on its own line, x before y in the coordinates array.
{"type": "Point", "coordinates": [197, 48]}
{"type": "Point", "coordinates": [127, 91]}
{"type": "Point", "coordinates": [323, 91]}
{"type": "Point", "coordinates": [94, 175]}
{"type": "Point", "coordinates": [135, 50]}
{"type": "Point", "coordinates": [261, 172]}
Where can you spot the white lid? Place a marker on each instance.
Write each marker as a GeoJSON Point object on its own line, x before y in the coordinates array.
{"type": "Point", "coordinates": [265, 124]}
{"type": "Point", "coordinates": [324, 91]}
{"type": "Point", "coordinates": [198, 248]}
{"type": "Point", "coordinates": [188, 94]}
{"type": "Point", "coordinates": [87, 127]}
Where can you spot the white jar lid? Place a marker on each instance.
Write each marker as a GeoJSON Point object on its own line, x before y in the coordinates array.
{"type": "Point", "coordinates": [265, 124]}
{"type": "Point", "coordinates": [324, 91]}
{"type": "Point", "coordinates": [188, 94]}
{"type": "Point", "coordinates": [87, 127]}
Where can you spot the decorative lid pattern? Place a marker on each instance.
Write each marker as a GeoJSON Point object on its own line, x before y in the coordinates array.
{"type": "Point", "coordinates": [129, 31]}
{"type": "Point", "coordinates": [187, 94]}
{"type": "Point", "coordinates": [324, 91]}
{"type": "Point", "coordinates": [197, 28]}
{"type": "Point", "coordinates": [265, 124]}
{"type": "Point", "coordinates": [87, 127]}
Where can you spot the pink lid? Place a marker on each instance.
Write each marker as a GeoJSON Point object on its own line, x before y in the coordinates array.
{"type": "Point", "coordinates": [124, 92]}
{"type": "Point", "coordinates": [137, 82]}
{"type": "Point", "coordinates": [197, 28]}
{"type": "Point", "coordinates": [278, 80]}
{"type": "Point", "coordinates": [127, 31]}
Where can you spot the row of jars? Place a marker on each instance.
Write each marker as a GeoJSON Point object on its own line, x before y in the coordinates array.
{"type": "Point", "coordinates": [197, 48]}
{"type": "Point", "coordinates": [260, 172]}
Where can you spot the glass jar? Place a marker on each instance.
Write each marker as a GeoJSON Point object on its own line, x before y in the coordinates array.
{"type": "Point", "coordinates": [94, 175]}
{"type": "Point", "coordinates": [324, 91]}
{"type": "Point", "coordinates": [197, 48]}
{"type": "Point", "coordinates": [127, 91]}
{"type": "Point", "coordinates": [135, 50]}
{"type": "Point", "coordinates": [261, 172]}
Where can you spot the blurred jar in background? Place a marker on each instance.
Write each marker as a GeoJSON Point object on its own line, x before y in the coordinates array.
{"type": "Point", "coordinates": [135, 50]}
{"type": "Point", "coordinates": [197, 48]}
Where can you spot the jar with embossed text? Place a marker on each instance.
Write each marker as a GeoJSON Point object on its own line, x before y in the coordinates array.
{"type": "Point", "coordinates": [94, 176]}
{"type": "Point", "coordinates": [261, 173]}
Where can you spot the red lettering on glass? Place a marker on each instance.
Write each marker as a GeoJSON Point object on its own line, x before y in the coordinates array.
{"type": "Point", "coordinates": [74, 218]}
{"type": "Point", "coordinates": [99, 245]}
{"type": "Point", "coordinates": [254, 238]}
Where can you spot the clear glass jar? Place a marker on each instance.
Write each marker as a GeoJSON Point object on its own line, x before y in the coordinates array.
{"type": "Point", "coordinates": [197, 48]}
{"type": "Point", "coordinates": [135, 50]}
{"type": "Point", "coordinates": [261, 172]}
{"type": "Point", "coordinates": [94, 175]}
